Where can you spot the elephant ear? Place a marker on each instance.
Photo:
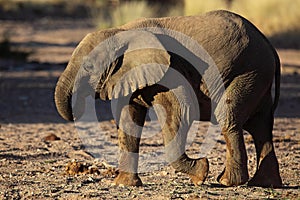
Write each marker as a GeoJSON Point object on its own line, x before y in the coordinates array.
{"type": "Point", "coordinates": [140, 68]}
{"type": "Point", "coordinates": [136, 59]}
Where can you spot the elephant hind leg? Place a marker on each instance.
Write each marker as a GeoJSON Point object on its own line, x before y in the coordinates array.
{"type": "Point", "coordinates": [260, 127]}
{"type": "Point", "coordinates": [235, 172]}
{"type": "Point", "coordinates": [240, 100]}
{"type": "Point", "coordinates": [231, 113]}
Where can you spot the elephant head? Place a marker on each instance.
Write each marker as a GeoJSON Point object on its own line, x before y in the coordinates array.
{"type": "Point", "coordinates": [100, 64]}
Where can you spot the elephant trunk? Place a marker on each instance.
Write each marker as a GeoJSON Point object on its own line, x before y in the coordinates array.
{"type": "Point", "coordinates": [63, 94]}
{"type": "Point", "coordinates": [71, 91]}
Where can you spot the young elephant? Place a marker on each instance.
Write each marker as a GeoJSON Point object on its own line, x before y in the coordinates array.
{"type": "Point", "coordinates": [232, 87]}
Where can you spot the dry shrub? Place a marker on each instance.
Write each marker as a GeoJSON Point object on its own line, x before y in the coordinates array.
{"type": "Point", "coordinates": [277, 19]}
{"type": "Point", "coordinates": [271, 16]}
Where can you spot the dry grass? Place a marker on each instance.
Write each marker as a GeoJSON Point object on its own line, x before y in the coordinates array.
{"type": "Point", "coordinates": [130, 11]}
{"type": "Point", "coordinates": [271, 16]}
{"type": "Point", "coordinates": [193, 7]}
{"type": "Point", "coordinates": [278, 19]}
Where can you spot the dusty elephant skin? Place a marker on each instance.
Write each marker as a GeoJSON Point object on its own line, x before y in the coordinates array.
{"type": "Point", "coordinates": [247, 64]}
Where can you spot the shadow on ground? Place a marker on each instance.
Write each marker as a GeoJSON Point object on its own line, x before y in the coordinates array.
{"type": "Point", "coordinates": [28, 96]}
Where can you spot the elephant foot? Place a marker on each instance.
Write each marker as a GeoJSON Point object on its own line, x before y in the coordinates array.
{"type": "Point", "coordinates": [233, 176]}
{"type": "Point", "coordinates": [267, 174]}
{"type": "Point", "coordinates": [199, 171]}
{"type": "Point", "coordinates": [128, 179]}
{"type": "Point", "coordinates": [273, 181]}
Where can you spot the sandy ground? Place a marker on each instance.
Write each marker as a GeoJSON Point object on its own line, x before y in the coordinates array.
{"type": "Point", "coordinates": [33, 167]}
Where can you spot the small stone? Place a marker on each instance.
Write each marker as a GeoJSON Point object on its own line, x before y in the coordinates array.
{"type": "Point", "coordinates": [51, 137]}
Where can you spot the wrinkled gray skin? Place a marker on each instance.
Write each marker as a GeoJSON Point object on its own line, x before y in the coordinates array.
{"type": "Point", "coordinates": [247, 63]}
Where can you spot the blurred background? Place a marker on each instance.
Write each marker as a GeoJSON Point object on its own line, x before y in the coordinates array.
{"type": "Point", "coordinates": [278, 19]}
{"type": "Point", "coordinates": [37, 38]}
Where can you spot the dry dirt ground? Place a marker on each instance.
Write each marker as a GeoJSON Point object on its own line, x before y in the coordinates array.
{"type": "Point", "coordinates": [33, 166]}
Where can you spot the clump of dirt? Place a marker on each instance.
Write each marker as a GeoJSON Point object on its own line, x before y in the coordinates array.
{"type": "Point", "coordinates": [75, 167]}
{"type": "Point", "coordinates": [51, 137]}
{"type": "Point", "coordinates": [109, 171]}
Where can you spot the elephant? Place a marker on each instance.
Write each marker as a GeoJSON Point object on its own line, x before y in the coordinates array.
{"type": "Point", "coordinates": [236, 93]}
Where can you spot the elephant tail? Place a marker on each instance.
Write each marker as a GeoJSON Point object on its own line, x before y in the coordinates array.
{"type": "Point", "coordinates": [277, 81]}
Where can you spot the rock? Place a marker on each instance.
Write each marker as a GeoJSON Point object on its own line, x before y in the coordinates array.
{"type": "Point", "coordinates": [51, 137]}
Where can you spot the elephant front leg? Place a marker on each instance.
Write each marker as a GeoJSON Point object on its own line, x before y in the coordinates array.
{"type": "Point", "coordinates": [174, 129]}
{"type": "Point", "coordinates": [197, 169]}
{"type": "Point", "coordinates": [130, 125]}
{"type": "Point", "coordinates": [236, 171]}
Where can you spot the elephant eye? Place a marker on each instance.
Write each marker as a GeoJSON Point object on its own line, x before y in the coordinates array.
{"type": "Point", "coordinates": [87, 64]}
{"type": "Point", "coordinates": [89, 68]}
